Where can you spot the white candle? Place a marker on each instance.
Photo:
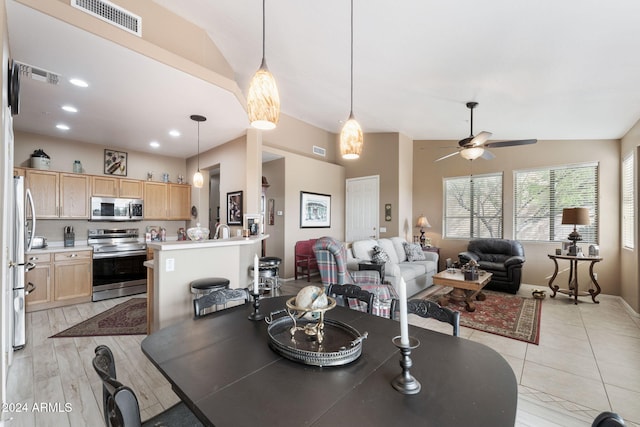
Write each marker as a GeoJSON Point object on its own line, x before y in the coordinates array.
{"type": "Point", "coordinates": [404, 323]}
{"type": "Point", "coordinates": [256, 273]}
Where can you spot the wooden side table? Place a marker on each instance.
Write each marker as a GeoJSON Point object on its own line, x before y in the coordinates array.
{"type": "Point", "coordinates": [436, 250]}
{"type": "Point", "coordinates": [573, 289]}
{"type": "Point", "coordinates": [369, 265]}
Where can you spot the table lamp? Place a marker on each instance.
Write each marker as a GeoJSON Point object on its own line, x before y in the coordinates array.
{"type": "Point", "coordinates": [422, 223]}
{"type": "Point", "coordinates": [575, 216]}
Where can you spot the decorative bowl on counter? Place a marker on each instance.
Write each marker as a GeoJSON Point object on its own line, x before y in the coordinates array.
{"type": "Point", "coordinates": [198, 233]}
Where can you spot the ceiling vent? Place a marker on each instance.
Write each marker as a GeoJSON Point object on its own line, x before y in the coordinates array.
{"type": "Point", "coordinates": [111, 13]}
{"type": "Point", "coordinates": [319, 151]}
{"type": "Point", "coordinates": [38, 74]}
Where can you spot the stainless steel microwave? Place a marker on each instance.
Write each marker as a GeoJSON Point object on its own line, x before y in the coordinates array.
{"type": "Point", "coordinates": [116, 209]}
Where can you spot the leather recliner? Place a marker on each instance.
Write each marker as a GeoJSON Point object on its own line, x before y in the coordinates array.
{"type": "Point", "coordinates": [502, 257]}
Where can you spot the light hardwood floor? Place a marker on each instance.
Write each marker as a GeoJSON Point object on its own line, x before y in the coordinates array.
{"type": "Point", "coordinates": [587, 362]}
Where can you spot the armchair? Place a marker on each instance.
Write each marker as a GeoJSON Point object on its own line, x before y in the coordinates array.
{"type": "Point", "coordinates": [331, 257]}
{"type": "Point", "coordinates": [502, 257]}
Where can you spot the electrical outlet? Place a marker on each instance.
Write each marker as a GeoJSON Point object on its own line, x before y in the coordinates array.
{"type": "Point", "coordinates": [170, 265]}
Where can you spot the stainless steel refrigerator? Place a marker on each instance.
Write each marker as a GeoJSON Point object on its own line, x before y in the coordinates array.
{"type": "Point", "coordinates": [20, 243]}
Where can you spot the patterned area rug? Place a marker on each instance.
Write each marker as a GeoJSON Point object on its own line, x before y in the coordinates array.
{"type": "Point", "coordinates": [503, 314]}
{"type": "Point", "coordinates": [128, 318]}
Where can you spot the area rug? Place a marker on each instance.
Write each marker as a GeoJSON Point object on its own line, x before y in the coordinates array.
{"type": "Point", "coordinates": [502, 314]}
{"type": "Point", "coordinates": [128, 318]}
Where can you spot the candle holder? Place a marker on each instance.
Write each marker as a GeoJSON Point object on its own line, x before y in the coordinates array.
{"type": "Point", "coordinates": [256, 315]}
{"type": "Point", "coordinates": [405, 383]}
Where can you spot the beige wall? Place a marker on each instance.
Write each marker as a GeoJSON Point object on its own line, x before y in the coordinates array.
{"type": "Point", "coordinates": [406, 218]}
{"type": "Point", "coordinates": [427, 198]}
{"type": "Point", "coordinates": [629, 258]}
{"type": "Point", "coordinates": [298, 137]}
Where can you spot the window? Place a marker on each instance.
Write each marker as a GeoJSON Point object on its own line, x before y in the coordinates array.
{"type": "Point", "coordinates": [473, 206]}
{"type": "Point", "coordinates": [628, 217]}
{"type": "Point", "coordinates": [541, 194]}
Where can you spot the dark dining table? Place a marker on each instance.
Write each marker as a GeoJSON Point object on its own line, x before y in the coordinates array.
{"type": "Point", "coordinates": [224, 369]}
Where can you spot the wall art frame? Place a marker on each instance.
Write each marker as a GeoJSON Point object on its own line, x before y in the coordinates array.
{"type": "Point", "coordinates": [115, 162]}
{"type": "Point", "coordinates": [234, 208]}
{"type": "Point", "coordinates": [315, 210]}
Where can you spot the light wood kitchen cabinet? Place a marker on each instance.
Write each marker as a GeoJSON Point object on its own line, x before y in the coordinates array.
{"type": "Point", "coordinates": [59, 195]}
{"type": "Point", "coordinates": [74, 196]}
{"type": "Point", "coordinates": [155, 200]}
{"type": "Point", "coordinates": [179, 202]}
{"type": "Point", "coordinates": [40, 277]}
{"type": "Point", "coordinates": [44, 186]}
{"type": "Point", "coordinates": [18, 171]}
{"type": "Point", "coordinates": [72, 275]}
{"type": "Point", "coordinates": [106, 186]}
{"type": "Point", "coordinates": [60, 278]}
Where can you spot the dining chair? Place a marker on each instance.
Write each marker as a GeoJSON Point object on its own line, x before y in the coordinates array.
{"type": "Point", "coordinates": [120, 404]}
{"type": "Point", "coordinates": [608, 419]}
{"type": "Point", "coordinates": [429, 309]}
{"type": "Point", "coordinates": [351, 296]}
{"type": "Point", "coordinates": [219, 297]}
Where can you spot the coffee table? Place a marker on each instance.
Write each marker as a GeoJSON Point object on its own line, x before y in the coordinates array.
{"type": "Point", "coordinates": [463, 290]}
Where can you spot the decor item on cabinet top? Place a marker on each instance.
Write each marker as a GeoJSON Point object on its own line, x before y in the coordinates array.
{"type": "Point", "coordinates": [115, 162]}
{"type": "Point", "coordinates": [77, 166]}
{"type": "Point", "coordinates": [40, 160]}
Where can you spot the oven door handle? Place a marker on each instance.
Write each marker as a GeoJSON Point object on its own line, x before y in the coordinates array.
{"type": "Point", "coordinates": [102, 255]}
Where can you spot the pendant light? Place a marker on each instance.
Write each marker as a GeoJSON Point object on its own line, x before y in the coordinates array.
{"type": "Point", "coordinates": [263, 101]}
{"type": "Point", "coordinates": [351, 138]}
{"type": "Point", "coordinates": [198, 180]}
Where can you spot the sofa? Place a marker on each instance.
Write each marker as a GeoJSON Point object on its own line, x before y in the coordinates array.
{"type": "Point", "coordinates": [417, 274]}
{"type": "Point", "coordinates": [501, 257]}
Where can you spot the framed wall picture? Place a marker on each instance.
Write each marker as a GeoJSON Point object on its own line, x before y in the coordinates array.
{"type": "Point", "coordinates": [315, 210]}
{"type": "Point", "coordinates": [234, 208]}
{"type": "Point", "coordinates": [253, 223]}
{"type": "Point", "coordinates": [271, 211]}
{"type": "Point", "coordinates": [115, 162]}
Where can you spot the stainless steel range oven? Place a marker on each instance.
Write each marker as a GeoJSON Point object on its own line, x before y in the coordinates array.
{"type": "Point", "coordinates": [118, 259]}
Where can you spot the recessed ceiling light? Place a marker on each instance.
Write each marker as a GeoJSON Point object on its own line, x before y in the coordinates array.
{"type": "Point", "coordinates": [78, 82]}
{"type": "Point", "coordinates": [174, 133]}
{"type": "Point", "coordinates": [154, 144]}
{"type": "Point", "coordinates": [69, 108]}
{"type": "Point", "coordinates": [62, 126]}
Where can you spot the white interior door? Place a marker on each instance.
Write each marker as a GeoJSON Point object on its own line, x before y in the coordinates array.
{"type": "Point", "coordinates": [362, 204]}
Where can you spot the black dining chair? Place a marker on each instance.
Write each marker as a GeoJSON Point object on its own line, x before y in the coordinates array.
{"type": "Point", "coordinates": [219, 297]}
{"type": "Point", "coordinates": [120, 404]}
{"type": "Point", "coordinates": [608, 419]}
{"type": "Point", "coordinates": [429, 309]}
{"type": "Point", "coordinates": [342, 293]}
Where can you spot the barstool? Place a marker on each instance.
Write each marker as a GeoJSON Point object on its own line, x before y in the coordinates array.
{"type": "Point", "coordinates": [272, 264]}
{"type": "Point", "coordinates": [201, 287]}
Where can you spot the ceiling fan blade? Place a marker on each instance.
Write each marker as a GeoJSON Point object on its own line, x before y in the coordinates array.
{"type": "Point", "coordinates": [511, 143]}
{"type": "Point", "coordinates": [488, 155]}
{"type": "Point", "coordinates": [480, 139]}
{"type": "Point", "coordinates": [446, 157]}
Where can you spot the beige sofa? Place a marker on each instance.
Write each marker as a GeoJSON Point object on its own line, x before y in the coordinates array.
{"type": "Point", "coordinates": [418, 275]}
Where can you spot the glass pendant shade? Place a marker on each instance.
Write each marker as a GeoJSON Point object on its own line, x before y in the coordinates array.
{"type": "Point", "coordinates": [263, 101]}
{"type": "Point", "coordinates": [198, 180]}
{"type": "Point", "coordinates": [351, 139]}
{"type": "Point", "coordinates": [472, 153]}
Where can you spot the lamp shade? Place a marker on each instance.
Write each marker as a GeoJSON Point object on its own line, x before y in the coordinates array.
{"type": "Point", "coordinates": [351, 139]}
{"type": "Point", "coordinates": [263, 100]}
{"type": "Point", "coordinates": [575, 216]}
{"type": "Point", "coordinates": [422, 222]}
{"type": "Point", "coordinates": [472, 153]}
{"type": "Point", "coordinates": [198, 179]}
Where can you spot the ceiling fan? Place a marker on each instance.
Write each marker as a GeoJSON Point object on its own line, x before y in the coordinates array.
{"type": "Point", "coordinates": [476, 146]}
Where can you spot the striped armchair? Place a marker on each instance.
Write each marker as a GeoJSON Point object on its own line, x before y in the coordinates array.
{"type": "Point", "coordinates": [332, 264]}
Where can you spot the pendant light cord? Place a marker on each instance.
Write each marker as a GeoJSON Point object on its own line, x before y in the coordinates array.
{"type": "Point", "coordinates": [351, 112]}
{"type": "Point", "coordinates": [263, 29]}
{"type": "Point", "coordinates": [198, 146]}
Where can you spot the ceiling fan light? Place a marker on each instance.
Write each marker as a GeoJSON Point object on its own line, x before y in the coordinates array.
{"type": "Point", "coordinates": [198, 180]}
{"type": "Point", "coordinates": [472, 153]}
{"type": "Point", "coordinates": [351, 139]}
{"type": "Point", "coordinates": [263, 100]}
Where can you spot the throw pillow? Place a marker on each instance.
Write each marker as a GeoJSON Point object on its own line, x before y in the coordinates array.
{"type": "Point", "coordinates": [379, 255]}
{"type": "Point", "coordinates": [414, 252]}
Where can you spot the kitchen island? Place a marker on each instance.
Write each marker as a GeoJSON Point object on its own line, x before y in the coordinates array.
{"type": "Point", "coordinates": [175, 264]}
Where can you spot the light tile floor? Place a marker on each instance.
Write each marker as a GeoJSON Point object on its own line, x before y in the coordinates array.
{"type": "Point", "coordinates": [588, 361]}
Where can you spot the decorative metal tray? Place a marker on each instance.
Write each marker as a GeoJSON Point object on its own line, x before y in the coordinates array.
{"type": "Point", "coordinates": [341, 343]}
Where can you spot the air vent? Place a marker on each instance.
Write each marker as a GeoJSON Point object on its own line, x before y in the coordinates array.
{"type": "Point", "coordinates": [319, 151]}
{"type": "Point", "coordinates": [38, 74]}
{"type": "Point", "coordinates": [111, 13]}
